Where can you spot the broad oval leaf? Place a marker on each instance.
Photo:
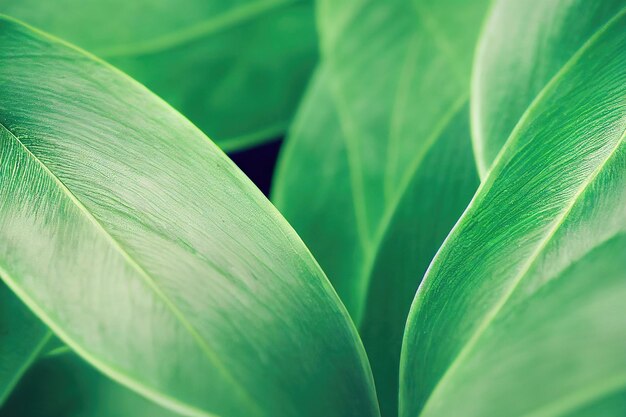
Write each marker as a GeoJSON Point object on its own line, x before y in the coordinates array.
{"type": "Point", "coordinates": [22, 339]}
{"type": "Point", "coordinates": [378, 165]}
{"type": "Point", "coordinates": [149, 253]}
{"type": "Point", "coordinates": [236, 68]}
{"type": "Point", "coordinates": [522, 311]}
{"type": "Point", "coordinates": [525, 45]}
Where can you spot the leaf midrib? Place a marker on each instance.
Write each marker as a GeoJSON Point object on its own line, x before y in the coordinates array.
{"type": "Point", "coordinates": [373, 249]}
{"type": "Point", "coordinates": [369, 243]}
{"type": "Point", "coordinates": [490, 317]}
{"type": "Point", "coordinates": [151, 283]}
{"type": "Point", "coordinates": [534, 257]}
{"type": "Point", "coordinates": [406, 78]}
{"type": "Point", "coordinates": [217, 24]}
{"type": "Point", "coordinates": [478, 142]}
{"type": "Point", "coordinates": [397, 116]}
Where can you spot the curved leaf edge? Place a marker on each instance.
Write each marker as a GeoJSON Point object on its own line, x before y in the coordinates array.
{"type": "Point", "coordinates": [111, 371]}
{"type": "Point", "coordinates": [488, 180]}
{"type": "Point", "coordinates": [384, 226]}
{"type": "Point", "coordinates": [477, 143]}
{"type": "Point", "coordinates": [107, 369]}
{"type": "Point", "coordinates": [36, 353]}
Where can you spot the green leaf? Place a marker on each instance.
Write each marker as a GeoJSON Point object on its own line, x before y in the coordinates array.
{"type": "Point", "coordinates": [56, 347]}
{"type": "Point", "coordinates": [611, 405]}
{"type": "Point", "coordinates": [522, 311]}
{"type": "Point", "coordinates": [22, 338]}
{"type": "Point", "coordinates": [151, 255]}
{"type": "Point", "coordinates": [378, 165]}
{"type": "Point", "coordinates": [524, 46]}
{"type": "Point", "coordinates": [65, 386]}
{"type": "Point", "coordinates": [236, 68]}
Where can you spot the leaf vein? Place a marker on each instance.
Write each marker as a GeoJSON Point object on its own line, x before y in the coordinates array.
{"type": "Point", "coordinates": [204, 347]}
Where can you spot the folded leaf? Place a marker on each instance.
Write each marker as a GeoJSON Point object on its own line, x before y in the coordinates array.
{"type": "Point", "coordinates": [152, 256]}
{"type": "Point", "coordinates": [378, 165]}
{"type": "Point", "coordinates": [525, 45]}
{"type": "Point", "coordinates": [65, 386]}
{"type": "Point", "coordinates": [236, 68]}
{"type": "Point", "coordinates": [22, 338]}
{"type": "Point", "coordinates": [522, 311]}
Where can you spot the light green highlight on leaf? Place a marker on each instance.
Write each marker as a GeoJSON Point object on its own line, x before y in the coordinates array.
{"type": "Point", "coordinates": [143, 247]}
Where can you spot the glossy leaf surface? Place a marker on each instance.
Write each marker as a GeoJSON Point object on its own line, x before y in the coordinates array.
{"type": "Point", "coordinates": [236, 68]}
{"type": "Point", "coordinates": [378, 165]}
{"type": "Point", "coordinates": [22, 339]}
{"type": "Point", "coordinates": [148, 252]}
{"type": "Point", "coordinates": [522, 312]}
{"type": "Point", "coordinates": [525, 45]}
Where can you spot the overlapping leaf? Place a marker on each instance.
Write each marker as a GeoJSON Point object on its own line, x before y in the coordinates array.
{"type": "Point", "coordinates": [522, 311]}
{"type": "Point", "coordinates": [65, 386]}
{"type": "Point", "coordinates": [378, 165]}
{"type": "Point", "coordinates": [22, 337]}
{"type": "Point", "coordinates": [149, 253]}
{"type": "Point", "coordinates": [236, 68]}
{"type": "Point", "coordinates": [525, 45]}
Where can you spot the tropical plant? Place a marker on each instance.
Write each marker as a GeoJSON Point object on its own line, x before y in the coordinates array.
{"type": "Point", "coordinates": [457, 168]}
{"type": "Point", "coordinates": [215, 61]}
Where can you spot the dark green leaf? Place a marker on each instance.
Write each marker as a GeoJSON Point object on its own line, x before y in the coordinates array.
{"type": "Point", "coordinates": [65, 386]}
{"type": "Point", "coordinates": [378, 165]}
{"type": "Point", "coordinates": [236, 68]}
{"type": "Point", "coordinates": [522, 311]}
{"type": "Point", "coordinates": [152, 256]}
{"type": "Point", "coordinates": [22, 338]}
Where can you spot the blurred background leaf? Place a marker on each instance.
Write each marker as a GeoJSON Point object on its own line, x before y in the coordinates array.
{"type": "Point", "coordinates": [66, 386]}
{"type": "Point", "coordinates": [22, 338]}
{"type": "Point", "coordinates": [522, 311]}
{"type": "Point", "coordinates": [148, 252]}
{"type": "Point", "coordinates": [378, 164]}
{"type": "Point", "coordinates": [236, 68]}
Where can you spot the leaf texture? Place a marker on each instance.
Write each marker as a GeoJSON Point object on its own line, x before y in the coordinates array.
{"type": "Point", "coordinates": [521, 312]}
{"type": "Point", "coordinates": [378, 165]}
{"type": "Point", "coordinates": [525, 45]}
{"type": "Point", "coordinates": [149, 253]}
{"type": "Point", "coordinates": [236, 68]}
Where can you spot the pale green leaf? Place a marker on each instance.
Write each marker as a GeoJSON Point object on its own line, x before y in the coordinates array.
{"type": "Point", "coordinates": [524, 46]}
{"type": "Point", "coordinates": [236, 68]}
{"type": "Point", "coordinates": [378, 165]}
{"type": "Point", "coordinates": [522, 311]}
{"type": "Point", "coordinates": [150, 254]}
